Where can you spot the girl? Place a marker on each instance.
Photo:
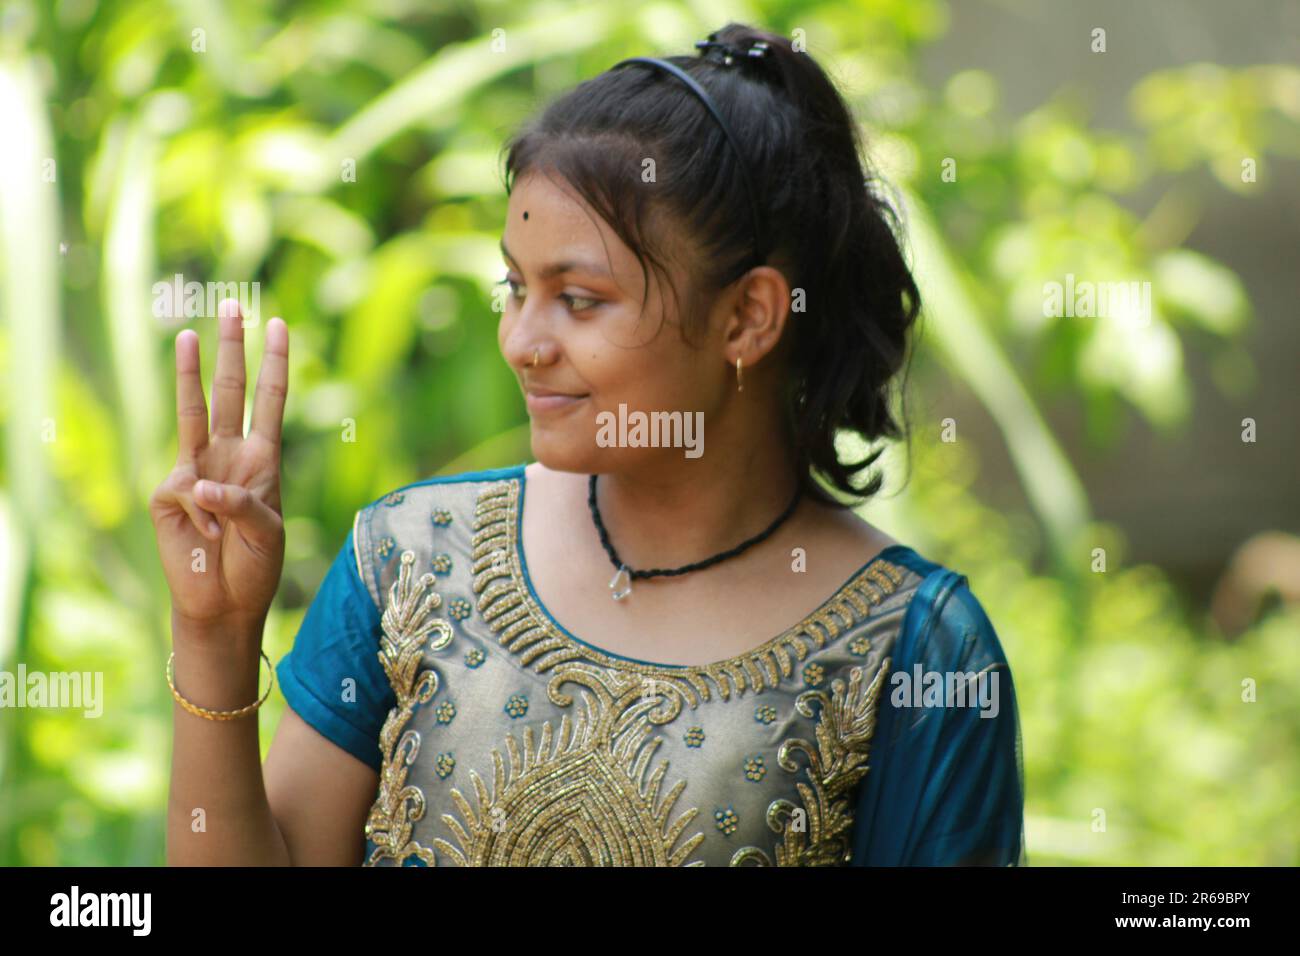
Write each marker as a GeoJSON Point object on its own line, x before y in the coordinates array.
{"type": "Point", "coordinates": [647, 647]}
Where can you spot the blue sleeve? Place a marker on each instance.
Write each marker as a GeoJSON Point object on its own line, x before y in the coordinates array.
{"type": "Point", "coordinates": [946, 784]}
{"type": "Point", "coordinates": [332, 677]}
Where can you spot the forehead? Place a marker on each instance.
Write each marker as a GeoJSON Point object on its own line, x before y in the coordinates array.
{"type": "Point", "coordinates": [548, 225]}
{"type": "Point", "coordinates": [546, 209]}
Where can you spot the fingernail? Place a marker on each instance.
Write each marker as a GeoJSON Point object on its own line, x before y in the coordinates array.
{"type": "Point", "coordinates": [215, 529]}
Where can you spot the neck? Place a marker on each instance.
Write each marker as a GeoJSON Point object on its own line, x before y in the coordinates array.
{"type": "Point", "coordinates": [673, 511]}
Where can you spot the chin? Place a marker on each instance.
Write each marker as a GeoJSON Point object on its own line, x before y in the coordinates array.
{"type": "Point", "coordinates": [561, 451]}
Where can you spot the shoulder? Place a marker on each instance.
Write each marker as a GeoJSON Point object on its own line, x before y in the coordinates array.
{"type": "Point", "coordinates": [434, 518]}
{"type": "Point", "coordinates": [946, 625]}
{"type": "Point", "coordinates": [947, 780]}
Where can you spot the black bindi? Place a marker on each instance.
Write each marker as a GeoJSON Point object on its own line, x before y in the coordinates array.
{"type": "Point", "coordinates": [525, 213]}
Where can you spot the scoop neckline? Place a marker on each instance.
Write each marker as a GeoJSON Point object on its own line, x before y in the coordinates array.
{"type": "Point", "coordinates": [885, 554]}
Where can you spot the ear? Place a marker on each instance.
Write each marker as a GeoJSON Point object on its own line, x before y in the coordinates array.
{"type": "Point", "coordinates": [760, 309]}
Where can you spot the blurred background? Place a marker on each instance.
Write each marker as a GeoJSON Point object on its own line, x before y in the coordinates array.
{"type": "Point", "coordinates": [1121, 493]}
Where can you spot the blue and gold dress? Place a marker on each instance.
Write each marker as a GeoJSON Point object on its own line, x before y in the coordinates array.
{"type": "Point", "coordinates": [501, 739]}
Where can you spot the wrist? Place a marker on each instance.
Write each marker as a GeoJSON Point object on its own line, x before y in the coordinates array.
{"type": "Point", "coordinates": [217, 664]}
{"type": "Point", "coordinates": [229, 690]}
{"type": "Point", "coordinates": [228, 633]}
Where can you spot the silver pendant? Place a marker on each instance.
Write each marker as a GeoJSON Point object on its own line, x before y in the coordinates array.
{"type": "Point", "coordinates": [620, 585]}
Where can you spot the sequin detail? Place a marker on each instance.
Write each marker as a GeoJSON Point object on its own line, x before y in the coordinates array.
{"type": "Point", "coordinates": [846, 721]}
{"type": "Point", "coordinates": [582, 795]}
{"type": "Point", "coordinates": [580, 775]}
{"type": "Point", "coordinates": [726, 819]}
{"type": "Point", "coordinates": [406, 621]}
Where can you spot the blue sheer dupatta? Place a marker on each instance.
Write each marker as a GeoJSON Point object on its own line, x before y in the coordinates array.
{"type": "Point", "coordinates": [946, 784]}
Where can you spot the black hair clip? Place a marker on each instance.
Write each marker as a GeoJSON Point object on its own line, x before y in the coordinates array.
{"type": "Point", "coordinates": [729, 53]}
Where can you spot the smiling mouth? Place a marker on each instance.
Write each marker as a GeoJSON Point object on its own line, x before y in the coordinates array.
{"type": "Point", "coordinates": [540, 402]}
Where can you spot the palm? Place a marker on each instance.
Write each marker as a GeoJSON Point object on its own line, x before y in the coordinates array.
{"type": "Point", "coordinates": [233, 571]}
{"type": "Point", "coordinates": [236, 573]}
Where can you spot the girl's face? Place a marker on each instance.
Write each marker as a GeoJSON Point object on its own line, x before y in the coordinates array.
{"type": "Point", "coordinates": [575, 303]}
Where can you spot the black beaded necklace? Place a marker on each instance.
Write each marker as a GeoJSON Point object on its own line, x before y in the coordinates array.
{"type": "Point", "coordinates": [621, 583]}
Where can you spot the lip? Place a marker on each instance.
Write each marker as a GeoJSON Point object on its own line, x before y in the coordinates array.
{"type": "Point", "coordinates": [543, 400]}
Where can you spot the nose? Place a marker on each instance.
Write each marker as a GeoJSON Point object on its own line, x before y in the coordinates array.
{"type": "Point", "coordinates": [527, 344]}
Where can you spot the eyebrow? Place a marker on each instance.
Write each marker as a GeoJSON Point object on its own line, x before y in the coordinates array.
{"type": "Point", "coordinates": [565, 265]}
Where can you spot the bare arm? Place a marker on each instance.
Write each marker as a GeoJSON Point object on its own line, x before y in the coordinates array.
{"type": "Point", "coordinates": [218, 811]}
{"type": "Point", "coordinates": [320, 795]}
{"type": "Point", "coordinates": [306, 806]}
{"type": "Point", "coordinates": [221, 539]}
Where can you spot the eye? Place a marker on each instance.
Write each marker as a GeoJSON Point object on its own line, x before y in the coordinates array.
{"type": "Point", "coordinates": [514, 287]}
{"type": "Point", "coordinates": [572, 299]}
{"type": "Point", "coordinates": [577, 303]}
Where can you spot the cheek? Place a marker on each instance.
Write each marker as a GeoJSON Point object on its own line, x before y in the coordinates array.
{"type": "Point", "coordinates": [660, 375]}
{"type": "Point", "coordinates": [693, 379]}
{"type": "Point", "coordinates": [603, 365]}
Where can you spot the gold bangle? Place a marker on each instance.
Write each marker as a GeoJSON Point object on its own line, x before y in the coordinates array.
{"type": "Point", "coordinates": [218, 714]}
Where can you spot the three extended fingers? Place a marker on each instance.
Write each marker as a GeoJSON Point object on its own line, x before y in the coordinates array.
{"type": "Point", "coordinates": [229, 384]}
{"type": "Point", "coordinates": [228, 388]}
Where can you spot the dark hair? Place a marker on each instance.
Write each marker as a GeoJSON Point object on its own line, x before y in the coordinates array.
{"type": "Point", "coordinates": [824, 220]}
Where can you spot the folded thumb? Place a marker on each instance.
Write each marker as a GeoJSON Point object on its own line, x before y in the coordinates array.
{"type": "Point", "coordinates": [253, 516]}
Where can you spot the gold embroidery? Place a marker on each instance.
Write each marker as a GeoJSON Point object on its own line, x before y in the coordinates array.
{"type": "Point", "coordinates": [407, 619]}
{"type": "Point", "coordinates": [523, 627]}
{"type": "Point", "coordinates": [580, 797]}
{"type": "Point", "coordinates": [844, 730]}
{"type": "Point", "coordinates": [589, 792]}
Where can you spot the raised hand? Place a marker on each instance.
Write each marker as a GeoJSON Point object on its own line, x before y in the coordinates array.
{"type": "Point", "coordinates": [217, 516]}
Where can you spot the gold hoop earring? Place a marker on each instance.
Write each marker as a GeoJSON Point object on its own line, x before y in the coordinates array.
{"type": "Point", "coordinates": [740, 384]}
